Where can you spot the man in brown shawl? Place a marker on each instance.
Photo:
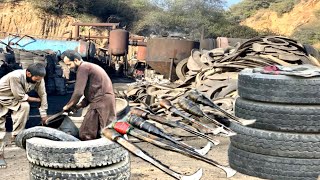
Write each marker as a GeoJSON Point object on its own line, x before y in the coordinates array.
{"type": "Point", "coordinates": [94, 83]}
{"type": "Point", "coordinates": [13, 96]}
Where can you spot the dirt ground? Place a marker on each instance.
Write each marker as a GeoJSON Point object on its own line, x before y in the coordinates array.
{"type": "Point", "coordinates": [18, 167]}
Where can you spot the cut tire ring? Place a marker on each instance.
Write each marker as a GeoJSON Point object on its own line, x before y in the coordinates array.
{"type": "Point", "coordinates": [275, 41]}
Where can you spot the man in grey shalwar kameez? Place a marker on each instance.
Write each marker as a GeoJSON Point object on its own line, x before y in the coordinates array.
{"type": "Point", "coordinates": [13, 96]}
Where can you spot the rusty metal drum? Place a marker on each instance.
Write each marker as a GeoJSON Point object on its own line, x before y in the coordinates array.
{"type": "Point", "coordinates": [118, 42]}
{"type": "Point", "coordinates": [161, 51]}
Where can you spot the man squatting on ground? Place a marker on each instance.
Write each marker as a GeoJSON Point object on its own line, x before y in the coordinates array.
{"type": "Point", "coordinates": [13, 96]}
{"type": "Point", "coordinates": [94, 83]}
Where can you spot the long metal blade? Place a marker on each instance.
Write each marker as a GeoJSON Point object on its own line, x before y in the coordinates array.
{"type": "Point", "coordinates": [177, 112]}
{"type": "Point", "coordinates": [169, 145]}
{"type": "Point", "coordinates": [190, 130]}
{"type": "Point", "coordinates": [244, 122]}
{"type": "Point", "coordinates": [199, 97]}
{"type": "Point", "coordinates": [148, 127]}
{"type": "Point", "coordinates": [137, 151]}
{"type": "Point", "coordinates": [182, 126]}
{"type": "Point", "coordinates": [147, 115]}
{"type": "Point", "coordinates": [224, 129]}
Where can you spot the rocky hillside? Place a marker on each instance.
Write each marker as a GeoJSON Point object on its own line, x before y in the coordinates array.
{"type": "Point", "coordinates": [303, 14]}
{"type": "Point", "coordinates": [22, 18]}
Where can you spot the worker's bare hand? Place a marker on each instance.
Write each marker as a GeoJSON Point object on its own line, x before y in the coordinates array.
{"type": "Point", "coordinates": [66, 108]}
{"type": "Point", "coordinates": [72, 109]}
{"type": "Point", "coordinates": [33, 99]}
{"type": "Point", "coordinates": [78, 106]}
{"type": "Point", "coordinates": [44, 119]}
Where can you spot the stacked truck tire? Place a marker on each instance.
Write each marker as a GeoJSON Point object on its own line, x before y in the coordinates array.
{"type": "Point", "coordinates": [53, 154]}
{"type": "Point", "coordinates": [284, 143]}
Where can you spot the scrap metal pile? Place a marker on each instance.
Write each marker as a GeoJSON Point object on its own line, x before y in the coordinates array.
{"type": "Point", "coordinates": [215, 72]}
{"type": "Point", "coordinates": [180, 112]}
{"type": "Point", "coordinates": [203, 103]}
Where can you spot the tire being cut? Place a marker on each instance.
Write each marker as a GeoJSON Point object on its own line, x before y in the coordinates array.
{"type": "Point", "coordinates": [280, 117]}
{"type": "Point", "coordinates": [272, 167]}
{"type": "Point", "coordinates": [42, 132]}
{"type": "Point", "coordinates": [278, 88]}
{"type": "Point", "coordinates": [72, 155]}
{"type": "Point", "coordinates": [117, 171]}
{"type": "Point", "coordinates": [294, 145]}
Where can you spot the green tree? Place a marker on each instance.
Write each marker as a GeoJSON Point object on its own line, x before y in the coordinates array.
{"type": "Point", "coordinates": [283, 6]}
{"type": "Point", "coordinates": [189, 18]}
{"type": "Point", "coordinates": [247, 8]}
{"type": "Point", "coordinates": [124, 11]}
{"type": "Point", "coordinates": [181, 15]}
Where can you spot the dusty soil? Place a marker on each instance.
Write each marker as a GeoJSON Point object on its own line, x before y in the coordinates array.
{"type": "Point", "coordinates": [18, 167]}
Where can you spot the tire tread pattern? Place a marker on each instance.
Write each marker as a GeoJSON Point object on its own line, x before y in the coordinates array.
{"type": "Point", "coordinates": [271, 167]}
{"type": "Point", "coordinates": [280, 117]}
{"type": "Point", "coordinates": [295, 145]}
{"type": "Point", "coordinates": [68, 155]}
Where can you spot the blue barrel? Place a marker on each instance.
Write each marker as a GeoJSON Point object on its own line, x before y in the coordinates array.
{"type": "Point", "coordinates": [85, 49]}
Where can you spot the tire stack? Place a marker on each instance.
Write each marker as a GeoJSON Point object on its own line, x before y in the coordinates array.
{"type": "Point", "coordinates": [94, 159]}
{"type": "Point", "coordinates": [284, 143]}
{"type": "Point", "coordinates": [53, 154]}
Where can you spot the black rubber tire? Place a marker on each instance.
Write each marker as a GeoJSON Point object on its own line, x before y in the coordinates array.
{"type": "Point", "coordinates": [295, 145]}
{"type": "Point", "coordinates": [278, 88]}
{"type": "Point", "coordinates": [280, 117]}
{"type": "Point", "coordinates": [72, 155]}
{"type": "Point", "coordinates": [43, 132]}
{"type": "Point", "coordinates": [118, 171]}
{"type": "Point", "coordinates": [272, 167]}
{"type": "Point", "coordinates": [182, 69]}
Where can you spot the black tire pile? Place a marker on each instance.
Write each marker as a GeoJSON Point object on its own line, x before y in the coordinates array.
{"type": "Point", "coordinates": [53, 154]}
{"type": "Point", "coordinates": [284, 143]}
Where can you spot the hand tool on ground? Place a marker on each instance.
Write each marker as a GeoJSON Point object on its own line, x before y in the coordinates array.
{"type": "Point", "coordinates": [146, 126]}
{"type": "Point", "coordinates": [125, 128]}
{"type": "Point", "coordinates": [115, 136]}
{"type": "Point", "coordinates": [166, 104]}
{"type": "Point", "coordinates": [192, 108]}
{"type": "Point", "coordinates": [175, 124]}
{"type": "Point", "coordinates": [198, 97]}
